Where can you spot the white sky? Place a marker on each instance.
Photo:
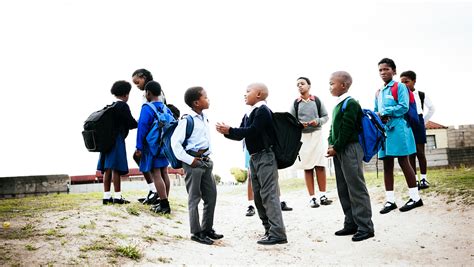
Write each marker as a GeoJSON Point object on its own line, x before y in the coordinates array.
{"type": "Point", "coordinates": [58, 60]}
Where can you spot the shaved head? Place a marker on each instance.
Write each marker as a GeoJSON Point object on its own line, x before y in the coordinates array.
{"type": "Point", "coordinates": [344, 77]}
{"type": "Point", "coordinates": [260, 88]}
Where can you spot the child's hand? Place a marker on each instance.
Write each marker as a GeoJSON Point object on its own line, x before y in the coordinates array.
{"type": "Point", "coordinates": [305, 124]}
{"type": "Point", "coordinates": [331, 152]}
{"type": "Point", "coordinates": [313, 123]}
{"type": "Point", "coordinates": [195, 162]}
{"type": "Point", "coordinates": [222, 128]}
{"type": "Point", "coordinates": [137, 154]}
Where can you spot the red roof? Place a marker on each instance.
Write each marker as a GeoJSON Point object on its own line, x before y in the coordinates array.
{"type": "Point", "coordinates": [430, 125]}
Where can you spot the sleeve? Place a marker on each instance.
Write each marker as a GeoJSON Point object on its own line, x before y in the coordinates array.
{"type": "Point", "coordinates": [233, 136]}
{"type": "Point", "coordinates": [348, 126]}
{"type": "Point", "coordinates": [177, 140]}
{"type": "Point", "coordinates": [259, 124]}
{"type": "Point", "coordinates": [400, 107]}
{"type": "Point", "coordinates": [144, 124]}
{"type": "Point", "coordinates": [431, 109]}
{"type": "Point", "coordinates": [323, 117]}
{"type": "Point", "coordinates": [292, 110]}
{"type": "Point", "coordinates": [127, 118]}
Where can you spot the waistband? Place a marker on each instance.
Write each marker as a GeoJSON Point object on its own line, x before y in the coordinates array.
{"type": "Point", "coordinates": [263, 151]}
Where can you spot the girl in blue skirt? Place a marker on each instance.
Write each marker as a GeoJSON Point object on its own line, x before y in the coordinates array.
{"type": "Point", "coordinates": [114, 162]}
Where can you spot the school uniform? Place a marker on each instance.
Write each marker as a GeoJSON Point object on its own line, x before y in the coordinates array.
{"type": "Point", "coordinates": [147, 116]}
{"type": "Point", "coordinates": [313, 148]}
{"type": "Point", "coordinates": [400, 140]}
{"type": "Point", "coordinates": [255, 128]}
{"type": "Point", "coordinates": [351, 188]}
{"type": "Point", "coordinates": [200, 183]}
{"type": "Point", "coordinates": [116, 158]}
{"type": "Point", "coordinates": [419, 132]}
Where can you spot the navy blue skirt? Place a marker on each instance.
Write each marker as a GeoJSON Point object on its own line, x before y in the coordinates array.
{"type": "Point", "coordinates": [115, 159]}
{"type": "Point", "coordinates": [419, 132]}
{"type": "Point", "coordinates": [149, 162]}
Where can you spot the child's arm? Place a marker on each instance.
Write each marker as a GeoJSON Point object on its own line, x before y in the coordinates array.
{"type": "Point", "coordinates": [144, 124]}
{"type": "Point", "coordinates": [348, 126]}
{"type": "Point", "coordinates": [225, 130]}
{"type": "Point", "coordinates": [324, 116]}
{"type": "Point", "coordinates": [177, 140]}
{"type": "Point", "coordinates": [261, 121]}
{"type": "Point", "coordinates": [431, 109]}
{"type": "Point", "coordinates": [127, 118]}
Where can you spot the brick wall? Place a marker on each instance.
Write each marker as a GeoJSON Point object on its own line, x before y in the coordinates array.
{"type": "Point", "coordinates": [30, 185]}
{"type": "Point", "coordinates": [463, 155]}
{"type": "Point", "coordinates": [461, 137]}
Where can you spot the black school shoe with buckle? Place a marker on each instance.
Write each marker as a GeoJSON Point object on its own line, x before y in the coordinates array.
{"type": "Point", "coordinates": [250, 211]}
{"type": "Point", "coordinates": [120, 201]}
{"type": "Point", "coordinates": [359, 236]}
{"type": "Point", "coordinates": [423, 184]}
{"type": "Point", "coordinates": [411, 204]}
{"type": "Point", "coordinates": [389, 206]}
{"type": "Point", "coordinates": [106, 201]}
{"type": "Point", "coordinates": [346, 231]}
{"type": "Point", "coordinates": [151, 200]}
{"type": "Point", "coordinates": [325, 201]}
{"type": "Point", "coordinates": [201, 238]}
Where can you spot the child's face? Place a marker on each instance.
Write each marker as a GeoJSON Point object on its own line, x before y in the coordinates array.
{"type": "Point", "coordinates": [408, 82]}
{"type": "Point", "coordinates": [336, 86]}
{"type": "Point", "coordinates": [386, 72]}
{"type": "Point", "coordinates": [303, 86]}
{"type": "Point", "coordinates": [139, 82]}
{"type": "Point", "coordinates": [251, 96]}
{"type": "Point", "coordinates": [203, 102]}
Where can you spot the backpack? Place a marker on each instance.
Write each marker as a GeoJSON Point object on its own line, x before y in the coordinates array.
{"type": "Point", "coordinates": [154, 135]}
{"type": "Point", "coordinates": [316, 101]}
{"type": "Point", "coordinates": [168, 131]}
{"type": "Point", "coordinates": [288, 138]}
{"type": "Point", "coordinates": [371, 134]}
{"type": "Point", "coordinates": [412, 115]}
{"type": "Point", "coordinates": [99, 132]}
{"type": "Point", "coordinates": [422, 99]}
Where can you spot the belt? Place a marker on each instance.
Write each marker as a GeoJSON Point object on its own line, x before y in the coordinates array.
{"type": "Point", "coordinates": [263, 150]}
{"type": "Point", "coordinates": [198, 153]}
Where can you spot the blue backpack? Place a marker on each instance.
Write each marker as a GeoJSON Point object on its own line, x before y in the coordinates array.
{"type": "Point", "coordinates": [154, 136]}
{"type": "Point", "coordinates": [168, 131]}
{"type": "Point", "coordinates": [372, 133]}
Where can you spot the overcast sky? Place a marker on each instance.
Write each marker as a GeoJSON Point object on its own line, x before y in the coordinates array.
{"type": "Point", "coordinates": [58, 60]}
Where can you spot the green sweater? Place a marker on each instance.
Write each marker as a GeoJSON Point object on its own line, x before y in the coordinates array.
{"type": "Point", "coordinates": [345, 125]}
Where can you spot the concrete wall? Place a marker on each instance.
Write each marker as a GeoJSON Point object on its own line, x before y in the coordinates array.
{"type": "Point", "coordinates": [441, 136]}
{"type": "Point", "coordinates": [30, 185]}
{"type": "Point", "coordinates": [462, 155]}
{"type": "Point", "coordinates": [461, 137]}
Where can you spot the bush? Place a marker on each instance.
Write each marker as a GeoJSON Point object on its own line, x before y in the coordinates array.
{"type": "Point", "coordinates": [218, 178]}
{"type": "Point", "coordinates": [240, 175]}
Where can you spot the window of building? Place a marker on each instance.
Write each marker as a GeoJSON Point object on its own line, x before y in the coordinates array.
{"type": "Point", "coordinates": [431, 142]}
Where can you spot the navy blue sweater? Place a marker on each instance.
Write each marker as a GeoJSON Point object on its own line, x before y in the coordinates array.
{"type": "Point", "coordinates": [257, 129]}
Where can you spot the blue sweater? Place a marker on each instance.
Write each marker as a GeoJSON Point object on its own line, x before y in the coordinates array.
{"type": "Point", "coordinates": [145, 121]}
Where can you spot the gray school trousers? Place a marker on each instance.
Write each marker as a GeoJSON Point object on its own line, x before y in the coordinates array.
{"type": "Point", "coordinates": [200, 184]}
{"type": "Point", "coordinates": [264, 176]}
{"type": "Point", "coordinates": [353, 194]}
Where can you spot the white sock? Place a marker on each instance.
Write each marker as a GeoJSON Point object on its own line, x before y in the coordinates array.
{"type": "Point", "coordinates": [423, 177]}
{"type": "Point", "coordinates": [107, 195]}
{"type": "Point", "coordinates": [390, 196]}
{"type": "Point", "coordinates": [117, 195]}
{"type": "Point", "coordinates": [311, 197]}
{"type": "Point", "coordinates": [413, 193]}
{"type": "Point", "coordinates": [152, 187]}
{"type": "Point", "coordinates": [320, 194]}
{"type": "Point", "coordinates": [251, 203]}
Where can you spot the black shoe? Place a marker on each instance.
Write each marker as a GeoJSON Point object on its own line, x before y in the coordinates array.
{"type": "Point", "coordinates": [150, 194]}
{"type": "Point", "coordinates": [313, 203]}
{"type": "Point", "coordinates": [250, 211]}
{"type": "Point", "coordinates": [359, 236]}
{"type": "Point", "coordinates": [106, 201]}
{"type": "Point", "coordinates": [152, 199]}
{"type": "Point", "coordinates": [202, 238]}
{"type": "Point", "coordinates": [423, 184]}
{"type": "Point", "coordinates": [284, 206]}
{"type": "Point", "coordinates": [325, 201]}
{"type": "Point", "coordinates": [389, 206]}
{"type": "Point", "coordinates": [411, 204]}
{"type": "Point", "coordinates": [213, 235]}
{"type": "Point", "coordinates": [120, 201]}
{"type": "Point", "coordinates": [162, 207]}
{"type": "Point", "coordinates": [270, 240]}
{"type": "Point", "coordinates": [346, 231]}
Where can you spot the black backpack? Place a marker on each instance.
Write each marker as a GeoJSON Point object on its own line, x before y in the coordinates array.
{"type": "Point", "coordinates": [288, 138]}
{"type": "Point", "coordinates": [99, 132]}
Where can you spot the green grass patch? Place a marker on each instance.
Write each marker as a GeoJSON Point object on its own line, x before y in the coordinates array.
{"type": "Point", "coordinates": [96, 245]}
{"type": "Point", "coordinates": [132, 209]}
{"type": "Point", "coordinates": [129, 251]}
{"type": "Point", "coordinates": [91, 225]}
{"type": "Point", "coordinates": [27, 231]}
{"type": "Point", "coordinates": [30, 247]}
{"type": "Point", "coordinates": [165, 259]}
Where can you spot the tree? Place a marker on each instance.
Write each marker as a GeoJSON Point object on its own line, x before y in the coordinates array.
{"type": "Point", "coordinates": [240, 175]}
{"type": "Point", "coordinates": [218, 178]}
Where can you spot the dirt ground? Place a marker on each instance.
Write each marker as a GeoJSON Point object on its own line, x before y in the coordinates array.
{"type": "Point", "coordinates": [438, 233]}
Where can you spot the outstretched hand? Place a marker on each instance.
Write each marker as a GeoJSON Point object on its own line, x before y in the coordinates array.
{"type": "Point", "coordinates": [222, 128]}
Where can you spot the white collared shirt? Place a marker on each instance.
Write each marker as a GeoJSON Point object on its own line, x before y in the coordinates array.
{"type": "Point", "coordinates": [257, 105]}
{"type": "Point", "coordinates": [342, 98]}
{"type": "Point", "coordinates": [200, 137]}
{"type": "Point", "coordinates": [427, 105]}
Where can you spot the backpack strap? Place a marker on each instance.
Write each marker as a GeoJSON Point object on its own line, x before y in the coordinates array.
{"type": "Point", "coordinates": [296, 104]}
{"type": "Point", "coordinates": [189, 128]}
{"type": "Point", "coordinates": [344, 104]}
{"type": "Point", "coordinates": [422, 98]}
{"type": "Point", "coordinates": [394, 89]}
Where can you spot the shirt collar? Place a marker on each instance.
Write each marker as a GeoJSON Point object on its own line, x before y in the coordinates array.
{"type": "Point", "coordinates": [342, 98]}
{"type": "Point", "coordinates": [257, 105]}
{"type": "Point", "coordinates": [200, 116]}
{"type": "Point", "coordinates": [311, 97]}
{"type": "Point", "coordinates": [390, 84]}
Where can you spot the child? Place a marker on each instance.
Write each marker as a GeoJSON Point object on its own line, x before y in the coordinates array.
{"type": "Point", "coordinates": [422, 101]}
{"type": "Point", "coordinates": [255, 128]}
{"type": "Point", "coordinates": [154, 166]}
{"type": "Point", "coordinates": [400, 141]}
{"type": "Point", "coordinates": [311, 112]}
{"type": "Point", "coordinates": [197, 165]}
{"type": "Point", "coordinates": [140, 78]}
{"type": "Point", "coordinates": [114, 163]}
{"type": "Point", "coordinates": [345, 148]}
